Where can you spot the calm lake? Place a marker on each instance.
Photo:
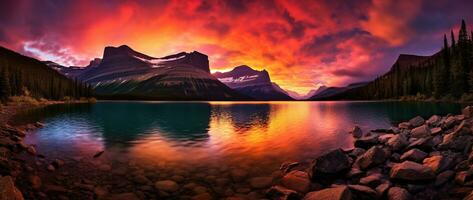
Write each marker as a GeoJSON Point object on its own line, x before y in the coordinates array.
{"type": "Point", "coordinates": [211, 138]}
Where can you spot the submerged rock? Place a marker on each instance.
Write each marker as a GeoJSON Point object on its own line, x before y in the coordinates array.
{"type": "Point", "coordinates": [166, 186]}
{"type": "Point", "coordinates": [356, 132]}
{"type": "Point", "coordinates": [297, 180]}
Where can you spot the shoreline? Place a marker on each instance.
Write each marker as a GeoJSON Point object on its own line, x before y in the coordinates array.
{"type": "Point", "coordinates": [365, 172]}
{"type": "Point", "coordinates": [13, 149]}
{"type": "Point", "coordinates": [419, 159]}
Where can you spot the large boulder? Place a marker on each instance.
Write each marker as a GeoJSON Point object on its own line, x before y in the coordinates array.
{"type": "Point", "coordinates": [420, 132]}
{"type": "Point", "coordinates": [456, 141]}
{"type": "Point", "coordinates": [398, 193]}
{"type": "Point", "coordinates": [8, 191]}
{"type": "Point", "coordinates": [331, 163]}
{"type": "Point", "coordinates": [297, 180]}
{"type": "Point", "coordinates": [398, 142]}
{"type": "Point", "coordinates": [411, 171]}
{"type": "Point", "coordinates": [336, 193]}
{"type": "Point", "coordinates": [374, 156]}
{"type": "Point", "coordinates": [415, 155]}
{"type": "Point", "coordinates": [416, 121]}
{"type": "Point", "coordinates": [438, 163]}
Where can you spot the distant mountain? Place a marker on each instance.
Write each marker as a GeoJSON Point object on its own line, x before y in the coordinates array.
{"type": "Point", "coordinates": [252, 83]}
{"type": "Point", "coordinates": [18, 72]}
{"type": "Point", "coordinates": [309, 94]}
{"type": "Point", "coordinates": [124, 73]}
{"type": "Point", "coordinates": [329, 92]}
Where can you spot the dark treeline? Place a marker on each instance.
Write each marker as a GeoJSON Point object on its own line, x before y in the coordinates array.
{"type": "Point", "coordinates": [445, 75]}
{"type": "Point", "coordinates": [21, 74]}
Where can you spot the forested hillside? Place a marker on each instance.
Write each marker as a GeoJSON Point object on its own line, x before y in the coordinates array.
{"type": "Point", "coordinates": [445, 75]}
{"type": "Point", "coordinates": [21, 74]}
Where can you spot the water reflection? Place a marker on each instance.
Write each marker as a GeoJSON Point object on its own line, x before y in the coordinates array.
{"type": "Point", "coordinates": [263, 133]}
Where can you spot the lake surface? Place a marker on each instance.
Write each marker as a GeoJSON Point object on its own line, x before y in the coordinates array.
{"type": "Point", "coordinates": [212, 136]}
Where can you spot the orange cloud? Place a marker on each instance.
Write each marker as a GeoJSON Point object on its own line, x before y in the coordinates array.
{"type": "Point", "coordinates": [302, 44]}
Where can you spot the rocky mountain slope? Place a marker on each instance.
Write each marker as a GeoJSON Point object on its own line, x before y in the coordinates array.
{"type": "Point", "coordinates": [127, 74]}
{"type": "Point", "coordinates": [252, 83]}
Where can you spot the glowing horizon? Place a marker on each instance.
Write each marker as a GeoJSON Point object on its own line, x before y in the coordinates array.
{"type": "Point", "coordinates": [302, 44]}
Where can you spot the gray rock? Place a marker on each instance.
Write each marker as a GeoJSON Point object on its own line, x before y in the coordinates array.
{"type": "Point", "coordinates": [372, 180]}
{"type": "Point", "coordinates": [374, 156]}
{"type": "Point", "coordinates": [415, 155]}
{"type": "Point", "coordinates": [331, 163]}
{"type": "Point", "coordinates": [464, 178]}
{"type": "Point", "coordinates": [404, 125]}
{"type": "Point", "coordinates": [434, 121]}
{"type": "Point", "coordinates": [450, 122]}
{"type": "Point", "coordinates": [411, 171]}
{"type": "Point", "coordinates": [416, 121]}
{"type": "Point", "coordinates": [398, 193]}
{"type": "Point", "coordinates": [297, 180]}
{"type": "Point", "coordinates": [356, 132]}
{"type": "Point", "coordinates": [385, 137]}
{"type": "Point", "coordinates": [398, 142]}
{"type": "Point", "coordinates": [443, 177]}
{"type": "Point", "coordinates": [366, 141]}
{"type": "Point", "coordinates": [357, 152]}
{"type": "Point", "coordinates": [336, 193]}
{"type": "Point", "coordinates": [436, 131]}
{"type": "Point", "coordinates": [420, 132]}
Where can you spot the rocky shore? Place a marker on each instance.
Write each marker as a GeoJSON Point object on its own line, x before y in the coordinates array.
{"type": "Point", "coordinates": [419, 159]}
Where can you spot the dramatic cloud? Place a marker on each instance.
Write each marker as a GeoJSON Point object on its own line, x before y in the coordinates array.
{"type": "Point", "coordinates": [303, 44]}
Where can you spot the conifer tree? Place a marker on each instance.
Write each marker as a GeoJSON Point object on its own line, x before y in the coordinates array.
{"type": "Point", "coordinates": [452, 35]}
{"type": "Point", "coordinates": [5, 88]}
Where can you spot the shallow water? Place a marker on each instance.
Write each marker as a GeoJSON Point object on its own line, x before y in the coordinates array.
{"type": "Point", "coordinates": [212, 137]}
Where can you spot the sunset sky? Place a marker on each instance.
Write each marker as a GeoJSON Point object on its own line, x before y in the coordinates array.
{"type": "Point", "coordinates": [303, 44]}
